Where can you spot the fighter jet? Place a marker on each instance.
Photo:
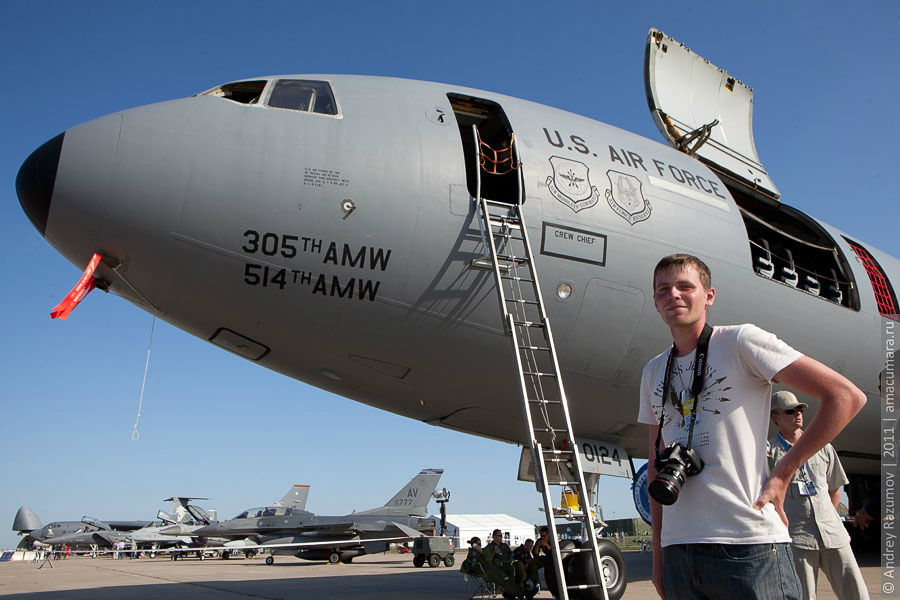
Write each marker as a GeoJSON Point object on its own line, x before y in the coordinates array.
{"type": "Point", "coordinates": [293, 500]}
{"type": "Point", "coordinates": [292, 530]}
{"type": "Point", "coordinates": [76, 534]}
{"type": "Point", "coordinates": [327, 227]}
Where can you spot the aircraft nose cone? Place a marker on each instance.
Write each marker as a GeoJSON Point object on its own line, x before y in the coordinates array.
{"type": "Point", "coordinates": [35, 181]}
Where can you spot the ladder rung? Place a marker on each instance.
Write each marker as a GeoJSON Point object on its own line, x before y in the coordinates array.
{"type": "Point", "coordinates": [504, 232]}
{"type": "Point", "coordinates": [567, 483]}
{"type": "Point", "coordinates": [485, 262]}
{"type": "Point", "coordinates": [527, 324]}
{"type": "Point", "coordinates": [518, 301]}
{"type": "Point", "coordinates": [553, 429]}
{"type": "Point", "coordinates": [517, 278]}
{"type": "Point", "coordinates": [557, 460]}
{"type": "Point", "coordinates": [539, 401]}
{"type": "Point", "coordinates": [538, 374]}
{"type": "Point", "coordinates": [534, 348]}
{"type": "Point", "coordinates": [506, 220]}
{"type": "Point", "coordinates": [574, 550]}
{"type": "Point", "coordinates": [583, 586]}
{"type": "Point", "coordinates": [546, 451]}
{"type": "Point", "coordinates": [512, 258]}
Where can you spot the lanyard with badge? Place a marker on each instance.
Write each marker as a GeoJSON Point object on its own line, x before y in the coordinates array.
{"type": "Point", "coordinates": [804, 483]}
{"type": "Point", "coordinates": [686, 400]}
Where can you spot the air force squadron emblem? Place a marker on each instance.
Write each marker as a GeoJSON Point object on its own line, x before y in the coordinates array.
{"type": "Point", "coordinates": [570, 184]}
{"type": "Point", "coordinates": [625, 197]}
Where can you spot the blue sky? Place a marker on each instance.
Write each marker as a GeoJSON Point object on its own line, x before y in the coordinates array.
{"type": "Point", "coordinates": [825, 124]}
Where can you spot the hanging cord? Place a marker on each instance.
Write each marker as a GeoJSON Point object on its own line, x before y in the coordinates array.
{"type": "Point", "coordinates": [135, 434]}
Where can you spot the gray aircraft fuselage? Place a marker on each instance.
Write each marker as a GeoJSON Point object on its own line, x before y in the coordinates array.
{"type": "Point", "coordinates": [309, 526]}
{"type": "Point", "coordinates": [78, 534]}
{"type": "Point", "coordinates": [103, 538]}
{"type": "Point", "coordinates": [337, 249]}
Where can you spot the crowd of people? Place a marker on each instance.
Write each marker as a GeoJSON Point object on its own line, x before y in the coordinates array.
{"type": "Point", "coordinates": [514, 571]}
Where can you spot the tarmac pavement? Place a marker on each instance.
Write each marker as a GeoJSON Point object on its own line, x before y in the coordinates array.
{"type": "Point", "coordinates": [376, 577]}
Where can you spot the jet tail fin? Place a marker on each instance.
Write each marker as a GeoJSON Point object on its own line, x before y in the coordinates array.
{"type": "Point", "coordinates": [295, 497]}
{"type": "Point", "coordinates": [413, 498]}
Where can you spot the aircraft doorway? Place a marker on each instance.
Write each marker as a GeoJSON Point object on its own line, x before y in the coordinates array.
{"type": "Point", "coordinates": [501, 177]}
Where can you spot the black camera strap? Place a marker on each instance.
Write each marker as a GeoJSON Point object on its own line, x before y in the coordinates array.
{"type": "Point", "coordinates": [701, 355]}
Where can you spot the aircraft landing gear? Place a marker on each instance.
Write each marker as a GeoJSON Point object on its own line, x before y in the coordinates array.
{"type": "Point", "coordinates": [580, 571]}
{"type": "Point", "coordinates": [270, 560]}
{"type": "Point", "coordinates": [334, 558]}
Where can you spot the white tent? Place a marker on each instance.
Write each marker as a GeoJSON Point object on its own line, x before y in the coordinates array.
{"type": "Point", "coordinates": [464, 527]}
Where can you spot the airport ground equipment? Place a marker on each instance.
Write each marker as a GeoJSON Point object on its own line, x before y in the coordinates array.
{"type": "Point", "coordinates": [553, 449]}
{"type": "Point", "coordinates": [432, 551]}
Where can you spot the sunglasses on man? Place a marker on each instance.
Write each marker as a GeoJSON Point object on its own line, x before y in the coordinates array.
{"type": "Point", "coordinates": [790, 411]}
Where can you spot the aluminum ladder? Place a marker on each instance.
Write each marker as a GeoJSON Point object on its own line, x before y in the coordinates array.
{"type": "Point", "coordinates": [554, 454]}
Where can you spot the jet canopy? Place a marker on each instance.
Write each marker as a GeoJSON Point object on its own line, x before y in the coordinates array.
{"type": "Point", "coordinates": [266, 511]}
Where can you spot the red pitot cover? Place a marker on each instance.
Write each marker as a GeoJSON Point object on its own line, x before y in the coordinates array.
{"type": "Point", "coordinates": [81, 289]}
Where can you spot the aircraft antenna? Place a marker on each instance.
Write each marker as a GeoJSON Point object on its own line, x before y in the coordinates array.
{"type": "Point", "coordinates": [135, 434]}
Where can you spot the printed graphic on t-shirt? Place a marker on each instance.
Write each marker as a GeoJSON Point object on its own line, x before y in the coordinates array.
{"type": "Point", "coordinates": [680, 403]}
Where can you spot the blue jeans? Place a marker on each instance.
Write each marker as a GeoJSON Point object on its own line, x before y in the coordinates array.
{"type": "Point", "coordinates": [740, 571]}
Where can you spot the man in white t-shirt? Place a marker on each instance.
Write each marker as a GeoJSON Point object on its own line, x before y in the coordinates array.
{"type": "Point", "coordinates": [726, 536]}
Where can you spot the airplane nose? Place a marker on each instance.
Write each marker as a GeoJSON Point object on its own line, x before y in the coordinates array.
{"type": "Point", "coordinates": [36, 179]}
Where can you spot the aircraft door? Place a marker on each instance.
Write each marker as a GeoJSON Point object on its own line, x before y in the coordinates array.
{"type": "Point", "coordinates": [488, 145]}
{"type": "Point", "coordinates": [456, 288]}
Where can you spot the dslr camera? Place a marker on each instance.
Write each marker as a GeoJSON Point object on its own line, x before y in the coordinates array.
{"type": "Point", "coordinates": [673, 466]}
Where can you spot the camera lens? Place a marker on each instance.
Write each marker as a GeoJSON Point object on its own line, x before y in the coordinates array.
{"type": "Point", "coordinates": [664, 489]}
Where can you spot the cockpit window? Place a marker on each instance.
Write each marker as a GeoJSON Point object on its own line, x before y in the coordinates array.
{"type": "Point", "coordinates": [245, 92]}
{"type": "Point", "coordinates": [304, 95]}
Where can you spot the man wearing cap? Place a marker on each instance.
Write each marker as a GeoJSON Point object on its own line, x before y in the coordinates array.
{"type": "Point", "coordinates": [818, 537]}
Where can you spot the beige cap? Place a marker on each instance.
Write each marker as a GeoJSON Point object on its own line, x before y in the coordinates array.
{"type": "Point", "coordinates": [785, 400]}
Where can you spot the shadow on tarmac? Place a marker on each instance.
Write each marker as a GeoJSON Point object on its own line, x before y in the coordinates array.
{"type": "Point", "coordinates": [428, 584]}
